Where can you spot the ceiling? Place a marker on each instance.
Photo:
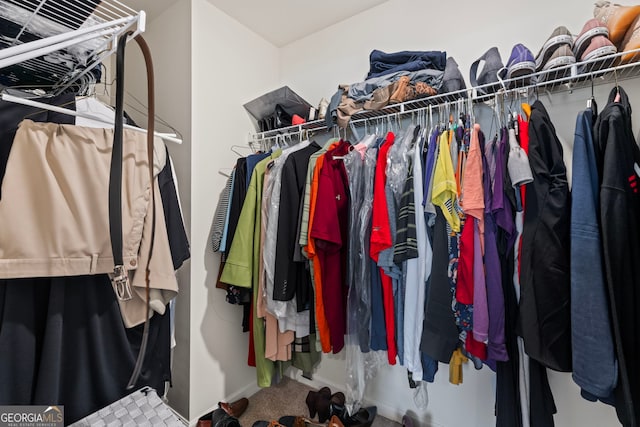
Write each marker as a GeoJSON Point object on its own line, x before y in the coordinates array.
{"type": "Point", "coordinates": [277, 21]}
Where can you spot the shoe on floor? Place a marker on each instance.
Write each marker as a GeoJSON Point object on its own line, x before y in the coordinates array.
{"type": "Point", "coordinates": [267, 424]}
{"type": "Point", "coordinates": [293, 421]}
{"type": "Point", "coordinates": [235, 409]}
{"type": "Point", "coordinates": [592, 28]}
{"type": "Point", "coordinates": [363, 418]}
{"type": "Point", "coordinates": [560, 36]}
{"type": "Point", "coordinates": [617, 18]}
{"type": "Point", "coordinates": [407, 421]}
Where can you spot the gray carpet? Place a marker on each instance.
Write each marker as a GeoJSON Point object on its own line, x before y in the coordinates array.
{"type": "Point", "coordinates": [286, 398]}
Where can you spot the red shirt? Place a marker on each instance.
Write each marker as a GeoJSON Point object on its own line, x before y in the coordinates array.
{"type": "Point", "coordinates": [330, 231]}
{"type": "Point", "coordinates": [380, 227]}
{"type": "Point", "coordinates": [464, 287]}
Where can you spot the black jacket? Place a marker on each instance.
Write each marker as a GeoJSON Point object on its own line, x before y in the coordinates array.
{"type": "Point", "coordinates": [616, 156]}
{"type": "Point", "coordinates": [545, 314]}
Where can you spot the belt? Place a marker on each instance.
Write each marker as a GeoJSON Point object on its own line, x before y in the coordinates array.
{"type": "Point", "coordinates": [120, 278]}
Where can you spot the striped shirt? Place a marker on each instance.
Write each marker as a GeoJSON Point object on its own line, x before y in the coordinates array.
{"type": "Point", "coordinates": [221, 217]}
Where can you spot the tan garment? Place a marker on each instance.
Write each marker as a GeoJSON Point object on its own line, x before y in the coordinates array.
{"type": "Point", "coordinates": [162, 278]}
{"type": "Point", "coordinates": [54, 212]}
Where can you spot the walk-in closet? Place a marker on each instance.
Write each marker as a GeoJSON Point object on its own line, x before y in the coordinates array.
{"type": "Point", "coordinates": [364, 213]}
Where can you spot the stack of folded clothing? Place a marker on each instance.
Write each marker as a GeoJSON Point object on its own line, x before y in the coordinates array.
{"type": "Point", "coordinates": [392, 78]}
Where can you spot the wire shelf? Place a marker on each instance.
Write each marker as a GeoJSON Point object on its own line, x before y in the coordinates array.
{"type": "Point", "coordinates": [51, 44]}
{"type": "Point", "coordinates": [604, 70]}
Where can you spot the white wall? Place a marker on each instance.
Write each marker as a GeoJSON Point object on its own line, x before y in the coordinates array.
{"type": "Point", "coordinates": [207, 65]}
{"type": "Point", "coordinates": [169, 38]}
{"type": "Point", "coordinates": [315, 65]}
{"type": "Point", "coordinates": [230, 66]}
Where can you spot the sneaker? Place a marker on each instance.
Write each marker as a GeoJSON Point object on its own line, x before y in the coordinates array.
{"type": "Point", "coordinates": [631, 42]}
{"type": "Point", "coordinates": [591, 29]}
{"type": "Point", "coordinates": [560, 36]}
{"type": "Point", "coordinates": [521, 63]}
{"type": "Point", "coordinates": [557, 65]}
{"type": "Point", "coordinates": [617, 18]}
{"type": "Point", "coordinates": [489, 73]}
{"type": "Point", "coordinates": [599, 47]}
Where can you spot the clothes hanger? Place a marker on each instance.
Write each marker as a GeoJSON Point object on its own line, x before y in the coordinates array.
{"type": "Point", "coordinates": [591, 103]}
{"type": "Point", "coordinates": [157, 118]}
{"type": "Point", "coordinates": [235, 147]}
{"type": "Point", "coordinates": [221, 171]}
{"type": "Point", "coordinates": [41, 105]}
{"type": "Point", "coordinates": [617, 98]}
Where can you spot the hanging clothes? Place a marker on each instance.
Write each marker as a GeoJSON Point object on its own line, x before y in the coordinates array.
{"type": "Point", "coordinates": [381, 239]}
{"type": "Point", "coordinates": [617, 160]}
{"type": "Point", "coordinates": [416, 270]}
{"type": "Point", "coordinates": [595, 368]}
{"type": "Point", "coordinates": [242, 266]}
{"type": "Point", "coordinates": [277, 344]}
{"type": "Point", "coordinates": [330, 231]}
{"type": "Point", "coordinates": [310, 250]}
{"type": "Point", "coordinates": [545, 281]}
{"type": "Point", "coordinates": [439, 333]}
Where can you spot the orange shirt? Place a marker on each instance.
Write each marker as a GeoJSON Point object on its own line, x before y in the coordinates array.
{"type": "Point", "coordinates": [310, 249]}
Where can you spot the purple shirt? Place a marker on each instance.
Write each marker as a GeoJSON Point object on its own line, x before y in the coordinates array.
{"type": "Point", "coordinates": [496, 348]}
{"type": "Point", "coordinates": [500, 206]}
{"type": "Point", "coordinates": [431, 159]}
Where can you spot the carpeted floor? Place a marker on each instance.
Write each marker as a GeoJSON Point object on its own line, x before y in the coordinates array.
{"type": "Point", "coordinates": [286, 398]}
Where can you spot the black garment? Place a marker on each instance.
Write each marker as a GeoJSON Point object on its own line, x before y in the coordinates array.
{"type": "Point", "coordinates": [545, 313]}
{"type": "Point", "coordinates": [290, 277]}
{"type": "Point", "coordinates": [616, 156]}
{"type": "Point", "coordinates": [238, 195]}
{"type": "Point", "coordinates": [178, 241]}
{"type": "Point", "coordinates": [439, 332]}
{"type": "Point", "coordinates": [508, 413]}
{"type": "Point", "coordinates": [542, 406]}
{"type": "Point", "coordinates": [237, 295]}
{"type": "Point", "coordinates": [63, 342]}
{"type": "Point", "coordinates": [508, 410]}
{"type": "Point", "coordinates": [11, 114]}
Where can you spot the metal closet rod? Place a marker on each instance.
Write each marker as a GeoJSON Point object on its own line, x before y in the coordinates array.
{"type": "Point", "coordinates": [567, 78]}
